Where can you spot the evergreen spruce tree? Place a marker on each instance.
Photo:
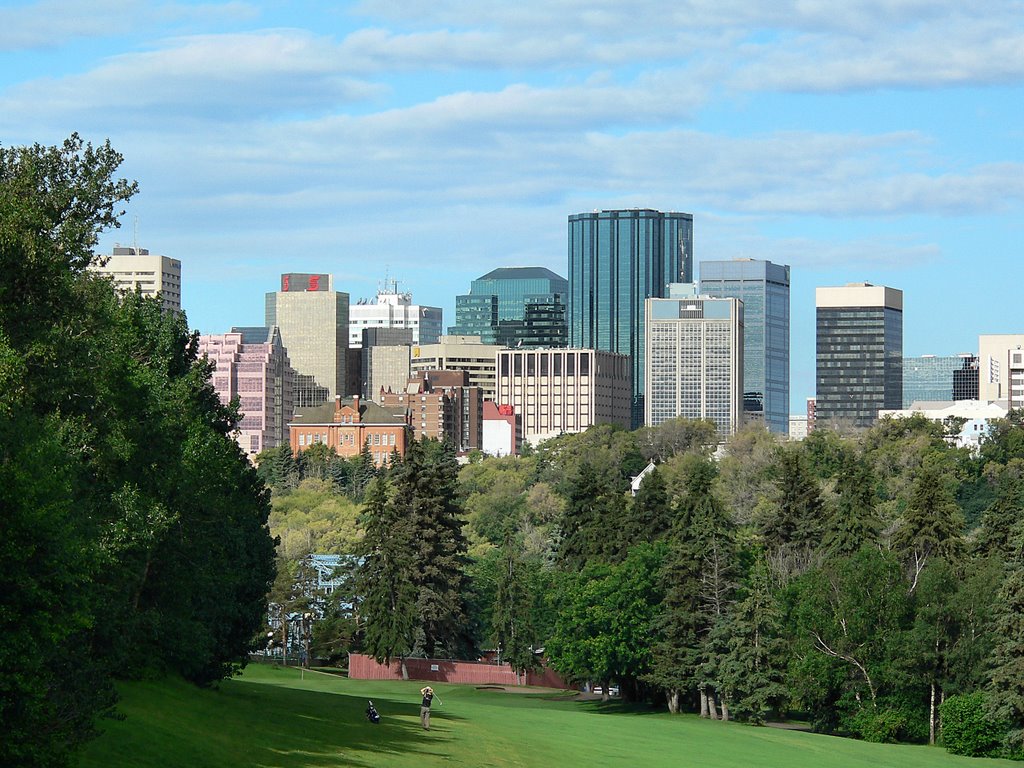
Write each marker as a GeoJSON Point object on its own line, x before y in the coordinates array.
{"type": "Point", "coordinates": [854, 522]}
{"type": "Point", "coordinates": [752, 667]}
{"type": "Point", "coordinates": [386, 578]}
{"type": "Point", "coordinates": [425, 494]}
{"type": "Point", "coordinates": [1006, 663]}
{"type": "Point", "coordinates": [932, 524]}
{"type": "Point", "coordinates": [650, 518]}
{"type": "Point", "coordinates": [791, 522]}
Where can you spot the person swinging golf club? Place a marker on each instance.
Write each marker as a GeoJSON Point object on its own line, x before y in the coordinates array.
{"type": "Point", "coordinates": [428, 697]}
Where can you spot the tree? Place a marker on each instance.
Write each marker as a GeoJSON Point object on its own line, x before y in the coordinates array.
{"type": "Point", "coordinates": [853, 522]}
{"type": "Point", "coordinates": [425, 486]}
{"type": "Point", "coordinates": [1006, 664]}
{"type": "Point", "coordinates": [605, 619]}
{"type": "Point", "coordinates": [752, 667]}
{"type": "Point", "coordinates": [513, 627]}
{"type": "Point", "coordinates": [931, 526]}
{"type": "Point", "coordinates": [386, 580]}
{"type": "Point", "coordinates": [790, 520]}
{"type": "Point", "coordinates": [854, 612]}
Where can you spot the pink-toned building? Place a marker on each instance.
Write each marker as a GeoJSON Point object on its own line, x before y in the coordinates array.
{"type": "Point", "coordinates": [252, 365]}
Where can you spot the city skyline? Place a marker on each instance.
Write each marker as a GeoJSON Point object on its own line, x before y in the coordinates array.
{"type": "Point", "coordinates": [432, 143]}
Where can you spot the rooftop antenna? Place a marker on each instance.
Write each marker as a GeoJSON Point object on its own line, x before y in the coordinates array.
{"type": "Point", "coordinates": [135, 235]}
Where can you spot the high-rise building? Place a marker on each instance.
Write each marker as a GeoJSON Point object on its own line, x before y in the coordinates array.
{"type": "Point", "coordinates": [617, 260]}
{"type": "Point", "coordinates": [476, 316]}
{"type": "Point", "coordinates": [252, 364]}
{"type": "Point", "coordinates": [931, 378]}
{"type": "Point", "coordinates": [459, 353]}
{"type": "Point", "coordinates": [543, 325]}
{"type": "Point", "coordinates": [859, 352]}
{"type": "Point", "coordinates": [525, 304]}
{"type": "Point", "coordinates": [394, 309]}
{"type": "Point", "coordinates": [1001, 367]}
{"type": "Point", "coordinates": [694, 359]}
{"type": "Point", "coordinates": [135, 268]}
{"type": "Point", "coordinates": [556, 391]}
{"type": "Point", "coordinates": [966, 379]}
{"type": "Point", "coordinates": [313, 319]}
{"type": "Point", "coordinates": [385, 358]}
{"type": "Point", "coordinates": [763, 287]}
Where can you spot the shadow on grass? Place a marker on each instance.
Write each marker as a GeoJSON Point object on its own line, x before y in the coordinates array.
{"type": "Point", "coordinates": [317, 728]}
{"type": "Point", "coordinates": [273, 721]}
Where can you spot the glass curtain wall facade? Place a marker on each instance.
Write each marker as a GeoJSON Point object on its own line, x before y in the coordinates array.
{"type": "Point", "coordinates": [617, 260]}
{"type": "Point", "coordinates": [931, 377]}
{"type": "Point", "coordinates": [859, 353]}
{"type": "Point", "coordinates": [763, 287]}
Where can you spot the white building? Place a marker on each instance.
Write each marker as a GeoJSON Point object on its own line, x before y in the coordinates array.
{"type": "Point", "coordinates": [153, 275]}
{"type": "Point", "coordinates": [391, 309]}
{"type": "Point", "coordinates": [978, 416]}
{"type": "Point", "coordinates": [1001, 368]}
{"type": "Point", "coordinates": [693, 359]}
{"type": "Point", "coordinates": [557, 391]}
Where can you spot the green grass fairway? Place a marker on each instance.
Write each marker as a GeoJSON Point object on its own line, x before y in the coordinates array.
{"type": "Point", "coordinates": [283, 717]}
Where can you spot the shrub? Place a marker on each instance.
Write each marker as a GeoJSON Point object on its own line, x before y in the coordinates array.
{"type": "Point", "coordinates": [968, 728]}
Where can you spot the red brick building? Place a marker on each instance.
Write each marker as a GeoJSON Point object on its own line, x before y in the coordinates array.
{"type": "Point", "coordinates": [347, 426]}
{"type": "Point", "coordinates": [441, 405]}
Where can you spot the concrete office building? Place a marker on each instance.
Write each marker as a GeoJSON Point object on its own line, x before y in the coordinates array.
{"type": "Point", "coordinates": [252, 364]}
{"type": "Point", "coordinates": [313, 319]}
{"type": "Point", "coordinates": [1001, 368]}
{"type": "Point", "coordinates": [135, 268]}
{"type": "Point", "coordinates": [384, 361]}
{"type": "Point", "coordinates": [617, 260]}
{"type": "Point", "coordinates": [459, 353]}
{"type": "Point", "coordinates": [859, 352]}
{"type": "Point", "coordinates": [932, 377]}
{"type": "Point", "coordinates": [556, 391]}
{"type": "Point", "coordinates": [694, 359]}
{"type": "Point", "coordinates": [394, 309]}
{"type": "Point", "coordinates": [763, 287]}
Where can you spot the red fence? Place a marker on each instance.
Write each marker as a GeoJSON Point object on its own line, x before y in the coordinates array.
{"type": "Point", "coordinates": [363, 667]}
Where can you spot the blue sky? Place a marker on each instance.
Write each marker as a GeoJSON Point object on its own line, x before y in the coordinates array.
{"type": "Point", "coordinates": [877, 140]}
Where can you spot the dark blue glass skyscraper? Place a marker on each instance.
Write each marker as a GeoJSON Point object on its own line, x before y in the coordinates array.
{"type": "Point", "coordinates": [763, 288]}
{"type": "Point", "coordinates": [617, 259]}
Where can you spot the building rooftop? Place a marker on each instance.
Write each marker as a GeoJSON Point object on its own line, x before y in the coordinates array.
{"type": "Point", "coordinates": [369, 413]}
{"type": "Point", "coordinates": [521, 273]}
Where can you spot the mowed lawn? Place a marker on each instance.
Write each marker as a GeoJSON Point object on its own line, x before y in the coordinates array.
{"type": "Point", "coordinates": [284, 717]}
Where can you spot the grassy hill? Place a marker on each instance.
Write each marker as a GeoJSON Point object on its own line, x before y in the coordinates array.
{"type": "Point", "coordinates": [284, 717]}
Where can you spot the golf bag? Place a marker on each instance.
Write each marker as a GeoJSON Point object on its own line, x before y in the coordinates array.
{"type": "Point", "coordinates": [371, 713]}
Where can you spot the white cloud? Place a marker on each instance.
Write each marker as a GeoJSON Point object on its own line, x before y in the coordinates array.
{"type": "Point", "coordinates": [274, 74]}
{"type": "Point", "coordinates": [50, 23]}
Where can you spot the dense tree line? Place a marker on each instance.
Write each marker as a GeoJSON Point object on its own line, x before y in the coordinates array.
{"type": "Point", "coordinates": [869, 583]}
{"type": "Point", "coordinates": [135, 534]}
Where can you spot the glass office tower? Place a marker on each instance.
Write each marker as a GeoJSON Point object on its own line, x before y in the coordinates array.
{"type": "Point", "coordinates": [935, 377]}
{"type": "Point", "coordinates": [504, 296]}
{"type": "Point", "coordinates": [617, 260]}
{"type": "Point", "coordinates": [859, 352]}
{"type": "Point", "coordinates": [763, 288]}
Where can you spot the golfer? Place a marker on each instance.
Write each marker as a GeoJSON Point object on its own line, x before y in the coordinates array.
{"type": "Point", "coordinates": [428, 696]}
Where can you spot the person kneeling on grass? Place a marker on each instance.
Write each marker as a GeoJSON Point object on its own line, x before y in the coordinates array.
{"type": "Point", "coordinates": [428, 696]}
